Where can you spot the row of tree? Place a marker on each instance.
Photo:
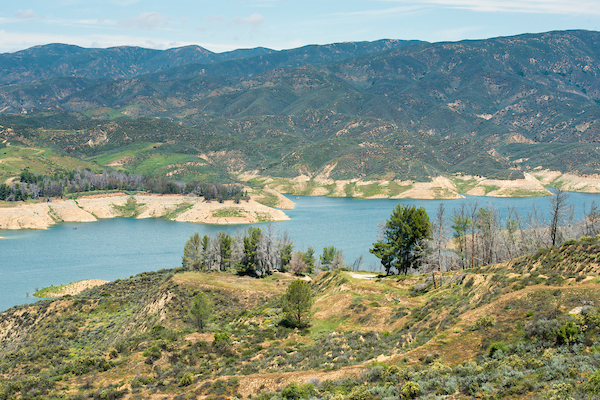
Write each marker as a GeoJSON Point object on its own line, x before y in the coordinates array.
{"type": "Point", "coordinates": [255, 252]}
{"type": "Point", "coordinates": [475, 236]}
{"type": "Point", "coordinates": [36, 186]}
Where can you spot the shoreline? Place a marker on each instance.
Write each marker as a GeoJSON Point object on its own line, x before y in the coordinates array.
{"type": "Point", "coordinates": [533, 184]}
{"type": "Point", "coordinates": [68, 289]}
{"type": "Point", "coordinates": [42, 215]}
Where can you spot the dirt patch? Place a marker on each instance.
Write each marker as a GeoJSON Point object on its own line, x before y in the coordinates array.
{"type": "Point", "coordinates": [177, 208]}
{"type": "Point", "coordinates": [569, 182]}
{"type": "Point", "coordinates": [74, 288]}
{"type": "Point", "coordinates": [196, 337]}
{"type": "Point", "coordinates": [252, 384]}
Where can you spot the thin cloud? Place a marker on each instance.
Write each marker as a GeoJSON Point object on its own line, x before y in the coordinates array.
{"type": "Point", "coordinates": [24, 14]}
{"type": "Point", "coordinates": [147, 20]}
{"type": "Point", "coordinates": [214, 18]}
{"type": "Point", "coordinates": [379, 12]}
{"type": "Point", "coordinates": [255, 20]}
{"type": "Point", "coordinates": [569, 7]}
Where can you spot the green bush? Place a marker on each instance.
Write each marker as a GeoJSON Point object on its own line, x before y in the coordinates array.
{"type": "Point", "coordinates": [567, 332]}
{"type": "Point", "coordinates": [410, 390]}
{"type": "Point", "coordinates": [186, 380]}
{"type": "Point", "coordinates": [360, 393]}
{"type": "Point", "coordinates": [294, 391]}
{"type": "Point", "coordinates": [222, 343]}
{"type": "Point", "coordinates": [497, 346]}
{"type": "Point", "coordinates": [592, 386]}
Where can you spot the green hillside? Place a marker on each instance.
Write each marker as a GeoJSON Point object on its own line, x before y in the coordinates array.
{"type": "Point", "coordinates": [380, 110]}
{"type": "Point", "coordinates": [529, 328]}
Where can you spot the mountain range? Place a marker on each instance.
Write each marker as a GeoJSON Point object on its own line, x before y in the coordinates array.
{"type": "Point", "coordinates": [388, 109]}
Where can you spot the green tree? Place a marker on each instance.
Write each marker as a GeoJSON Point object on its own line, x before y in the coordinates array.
{"type": "Point", "coordinates": [327, 256]}
{"type": "Point", "coordinates": [201, 310]}
{"type": "Point", "coordinates": [225, 241]}
{"type": "Point", "coordinates": [309, 259]}
{"type": "Point", "coordinates": [403, 236]}
{"type": "Point", "coordinates": [296, 303]}
{"type": "Point", "coordinates": [249, 262]}
{"type": "Point", "coordinates": [192, 253]}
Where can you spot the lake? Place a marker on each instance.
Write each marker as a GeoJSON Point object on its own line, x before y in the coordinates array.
{"type": "Point", "coordinates": [122, 247]}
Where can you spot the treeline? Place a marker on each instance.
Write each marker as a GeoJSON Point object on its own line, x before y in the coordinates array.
{"type": "Point", "coordinates": [35, 186]}
{"type": "Point", "coordinates": [258, 253]}
{"type": "Point", "coordinates": [473, 236]}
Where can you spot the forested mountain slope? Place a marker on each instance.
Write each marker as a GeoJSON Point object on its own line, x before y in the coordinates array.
{"type": "Point", "coordinates": [380, 110]}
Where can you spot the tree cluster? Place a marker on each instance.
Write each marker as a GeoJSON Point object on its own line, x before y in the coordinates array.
{"type": "Point", "coordinates": [36, 186]}
{"type": "Point", "coordinates": [257, 252]}
{"type": "Point", "coordinates": [474, 236]}
{"type": "Point", "coordinates": [254, 252]}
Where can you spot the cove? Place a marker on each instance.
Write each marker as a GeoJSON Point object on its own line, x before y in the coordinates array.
{"type": "Point", "coordinates": [119, 248]}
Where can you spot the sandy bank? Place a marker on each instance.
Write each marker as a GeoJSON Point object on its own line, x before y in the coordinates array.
{"type": "Point", "coordinates": [73, 288]}
{"type": "Point", "coordinates": [569, 182]}
{"type": "Point", "coordinates": [176, 208]}
{"type": "Point", "coordinates": [438, 188]}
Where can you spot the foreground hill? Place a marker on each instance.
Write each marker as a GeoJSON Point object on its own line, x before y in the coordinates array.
{"type": "Point", "coordinates": [381, 111]}
{"type": "Point", "coordinates": [504, 331]}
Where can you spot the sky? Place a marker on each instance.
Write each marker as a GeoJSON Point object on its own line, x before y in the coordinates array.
{"type": "Point", "coordinates": [223, 25]}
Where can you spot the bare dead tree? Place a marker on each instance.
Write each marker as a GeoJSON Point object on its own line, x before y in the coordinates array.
{"type": "Point", "coordinates": [472, 209]}
{"type": "Point", "coordinates": [591, 220]}
{"type": "Point", "coordinates": [559, 209]}
{"type": "Point", "coordinates": [437, 254]}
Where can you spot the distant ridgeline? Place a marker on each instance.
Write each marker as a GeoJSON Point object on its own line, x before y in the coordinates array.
{"type": "Point", "coordinates": [385, 110]}
{"type": "Point", "coordinates": [34, 186]}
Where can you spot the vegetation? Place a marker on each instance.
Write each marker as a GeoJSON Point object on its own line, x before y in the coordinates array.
{"type": "Point", "coordinates": [201, 310]}
{"type": "Point", "coordinates": [296, 303]}
{"type": "Point", "coordinates": [486, 332]}
{"type": "Point", "coordinates": [37, 186]}
{"type": "Point", "coordinates": [404, 239]}
{"type": "Point", "coordinates": [338, 115]}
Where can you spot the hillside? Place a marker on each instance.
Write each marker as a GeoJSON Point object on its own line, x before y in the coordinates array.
{"type": "Point", "coordinates": [494, 332]}
{"type": "Point", "coordinates": [385, 111]}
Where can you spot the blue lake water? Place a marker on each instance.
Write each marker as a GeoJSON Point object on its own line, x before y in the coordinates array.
{"type": "Point", "coordinates": [122, 247]}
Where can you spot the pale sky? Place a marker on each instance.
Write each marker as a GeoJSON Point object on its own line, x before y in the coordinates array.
{"type": "Point", "coordinates": [224, 25]}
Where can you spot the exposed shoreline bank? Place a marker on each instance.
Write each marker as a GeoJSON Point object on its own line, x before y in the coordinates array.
{"type": "Point", "coordinates": [69, 289]}
{"type": "Point", "coordinates": [42, 215]}
{"type": "Point", "coordinates": [534, 184]}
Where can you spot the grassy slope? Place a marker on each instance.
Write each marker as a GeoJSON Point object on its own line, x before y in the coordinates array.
{"type": "Point", "coordinates": [133, 337]}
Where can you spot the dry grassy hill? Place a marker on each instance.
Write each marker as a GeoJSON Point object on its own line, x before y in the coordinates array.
{"type": "Point", "coordinates": [510, 330]}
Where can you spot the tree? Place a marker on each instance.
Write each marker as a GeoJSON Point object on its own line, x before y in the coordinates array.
{"type": "Point", "coordinates": [296, 303]}
{"type": "Point", "coordinates": [201, 310]}
{"type": "Point", "coordinates": [285, 251]}
{"type": "Point", "coordinates": [225, 248]}
{"type": "Point", "coordinates": [192, 252]}
{"type": "Point", "coordinates": [460, 224]}
{"type": "Point", "coordinates": [558, 210]}
{"type": "Point", "coordinates": [297, 263]}
{"type": "Point", "coordinates": [338, 260]}
{"type": "Point", "coordinates": [439, 238]}
{"type": "Point", "coordinates": [327, 256]}
{"type": "Point", "coordinates": [249, 263]}
{"type": "Point", "coordinates": [309, 259]}
{"type": "Point", "coordinates": [401, 244]}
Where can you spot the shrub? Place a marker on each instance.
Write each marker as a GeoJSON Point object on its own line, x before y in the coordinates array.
{"type": "Point", "coordinates": [360, 393]}
{"type": "Point", "coordinates": [222, 342]}
{"type": "Point", "coordinates": [410, 390]}
{"type": "Point", "coordinates": [293, 391]}
{"type": "Point", "coordinates": [487, 321]}
{"type": "Point", "coordinates": [496, 347]}
{"type": "Point", "coordinates": [186, 379]}
{"type": "Point", "coordinates": [567, 332]}
{"type": "Point", "coordinates": [592, 386]}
